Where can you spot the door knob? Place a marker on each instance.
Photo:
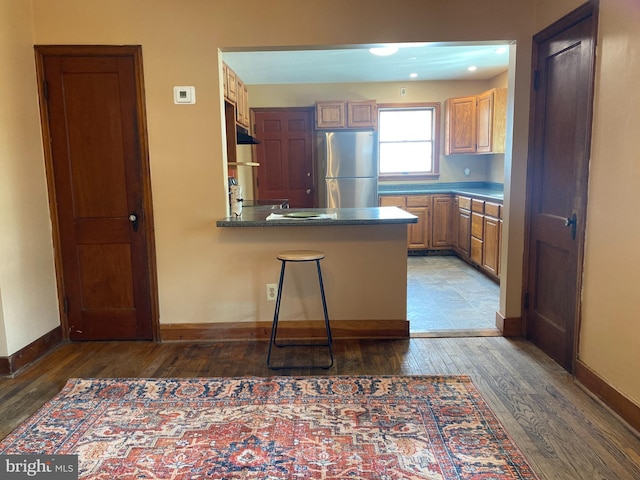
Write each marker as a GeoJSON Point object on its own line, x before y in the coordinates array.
{"type": "Point", "coordinates": [133, 218]}
{"type": "Point", "coordinates": [308, 191]}
{"type": "Point", "coordinates": [571, 222]}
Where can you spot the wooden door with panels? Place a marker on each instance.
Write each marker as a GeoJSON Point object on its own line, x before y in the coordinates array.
{"type": "Point", "coordinates": [286, 155]}
{"type": "Point", "coordinates": [564, 56]}
{"type": "Point", "coordinates": [94, 130]}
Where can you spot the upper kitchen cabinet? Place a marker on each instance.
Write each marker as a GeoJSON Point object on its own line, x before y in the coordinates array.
{"type": "Point", "coordinates": [346, 114]}
{"type": "Point", "coordinates": [476, 124]}
{"type": "Point", "coordinates": [460, 125]}
{"type": "Point", "coordinates": [235, 91]}
{"type": "Point", "coordinates": [492, 121]}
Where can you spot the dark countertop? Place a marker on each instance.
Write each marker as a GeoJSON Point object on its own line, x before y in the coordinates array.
{"type": "Point", "coordinates": [481, 190]}
{"type": "Point", "coordinates": [257, 217]}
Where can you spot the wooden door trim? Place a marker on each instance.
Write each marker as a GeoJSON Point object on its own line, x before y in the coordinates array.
{"type": "Point", "coordinates": [135, 52]}
{"type": "Point", "coordinates": [589, 9]}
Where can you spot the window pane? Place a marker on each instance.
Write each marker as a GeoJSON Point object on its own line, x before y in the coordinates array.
{"type": "Point", "coordinates": [399, 125]}
{"type": "Point", "coordinates": [406, 157]}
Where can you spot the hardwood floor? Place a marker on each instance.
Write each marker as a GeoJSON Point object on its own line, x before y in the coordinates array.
{"type": "Point", "coordinates": [562, 431]}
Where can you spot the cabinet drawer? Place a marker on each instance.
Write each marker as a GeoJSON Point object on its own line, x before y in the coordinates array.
{"type": "Point", "coordinates": [477, 225]}
{"type": "Point", "coordinates": [464, 202]}
{"type": "Point", "coordinates": [392, 201]}
{"type": "Point", "coordinates": [492, 209]}
{"type": "Point", "coordinates": [477, 205]}
{"type": "Point", "coordinates": [418, 200]}
{"type": "Point", "coordinates": [476, 250]}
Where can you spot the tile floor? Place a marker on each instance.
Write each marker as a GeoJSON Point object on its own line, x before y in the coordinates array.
{"type": "Point", "coordinates": [445, 294]}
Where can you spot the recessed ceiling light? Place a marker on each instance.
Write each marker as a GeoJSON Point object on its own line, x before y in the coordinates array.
{"type": "Point", "coordinates": [383, 51]}
{"type": "Point", "coordinates": [413, 75]}
{"type": "Point", "coordinates": [472, 68]}
{"type": "Point", "coordinates": [501, 50]}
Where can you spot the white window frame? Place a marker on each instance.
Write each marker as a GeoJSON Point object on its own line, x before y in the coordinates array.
{"type": "Point", "coordinates": [435, 161]}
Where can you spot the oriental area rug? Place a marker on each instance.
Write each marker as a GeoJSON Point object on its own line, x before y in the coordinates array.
{"type": "Point", "coordinates": [335, 427]}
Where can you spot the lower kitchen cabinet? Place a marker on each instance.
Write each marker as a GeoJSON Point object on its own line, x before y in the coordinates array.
{"type": "Point", "coordinates": [418, 205]}
{"type": "Point", "coordinates": [463, 227]}
{"type": "Point", "coordinates": [471, 227]}
{"type": "Point", "coordinates": [442, 221]}
{"type": "Point", "coordinates": [492, 226]}
{"type": "Point", "coordinates": [477, 230]}
{"type": "Point", "coordinates": [477, 238]}
{"type": "Point", "coordinates": [418, 235]}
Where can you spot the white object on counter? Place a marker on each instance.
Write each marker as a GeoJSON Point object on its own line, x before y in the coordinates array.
{"type": "Point", "coordinates": [236, 200]}
{"type": "Point", "coordinates": [293, 216]}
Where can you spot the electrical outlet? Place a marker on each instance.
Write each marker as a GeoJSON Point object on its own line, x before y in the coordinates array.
{"type": "Point", "coordinates": [272, 291]}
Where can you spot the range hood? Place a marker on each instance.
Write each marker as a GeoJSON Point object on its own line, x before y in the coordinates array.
{"type": "Point", "coordinates": [243, 137]}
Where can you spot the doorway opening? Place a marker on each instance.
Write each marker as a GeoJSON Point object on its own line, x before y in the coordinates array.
{"type": "Point", "coordinates": [451, 298]}
{"type": "Point", "coordinates": [448, 297]}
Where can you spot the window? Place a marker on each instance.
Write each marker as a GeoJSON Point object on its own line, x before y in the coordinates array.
{"type": "Point", "coordinates": [408, 140]}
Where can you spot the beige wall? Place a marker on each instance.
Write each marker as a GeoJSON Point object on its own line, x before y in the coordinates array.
{"type": "Point", "coordinates": [196, 268]}
{"type": "Point", "coordinates": [610, 336]}
{"type": "Point", "coordinates": [180, 47]}
{"type": "Point", "coordinates": [28, 302]}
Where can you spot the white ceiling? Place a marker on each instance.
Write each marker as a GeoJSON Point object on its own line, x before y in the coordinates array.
{"type": "Point", "coordinates": [431, 61]}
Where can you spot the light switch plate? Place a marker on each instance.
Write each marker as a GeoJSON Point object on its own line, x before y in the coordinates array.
{"type": "Point", "coordinates": [184, 95]}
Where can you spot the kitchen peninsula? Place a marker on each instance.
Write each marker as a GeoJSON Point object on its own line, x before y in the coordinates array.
{"type": "Point", "coordinates": [325, 217]}
{"type": "Point", "coordinates": [364, 272]}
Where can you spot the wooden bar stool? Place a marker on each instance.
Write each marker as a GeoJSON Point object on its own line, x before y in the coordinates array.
{"type": "Point", "coordinates": [300, 256]}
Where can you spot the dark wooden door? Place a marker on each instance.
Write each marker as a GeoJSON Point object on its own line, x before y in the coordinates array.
{"type": "Point", "coordinates": [286, 154]}
{"type": "Point", "coordinates": [559, 156]}
{"type": "Point", "coordinates": [96, 158]}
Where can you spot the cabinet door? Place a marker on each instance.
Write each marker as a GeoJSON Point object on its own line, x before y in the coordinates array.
{"type": "Point", "coordinates": [455, 225]}
{"type": "Point", "coordinates": [441, 224]}
{"type": "Point", "coordinates": [225, 87]}
{"type": "Point", "coordinates": [245, 103]}
{"type": "Point", "coordinates": [240, 107]}
{"type": "Point", "coordinates": [485, 122]}
{"type": "Point", "coordinates": [460, 125]}
{"type": "Point", "coordinates": [464, 231]}
{"type": "Point", "coordinates": [418, 234]}
{"type": "Point", "coordinates": [232, 85]}
{"type": "Point", "coordinates": [362, 114]}
{"type": "Point", "coordinates": [491, 246]}
{"type": "Point", "coordinates": [476, 250]}
{"type": "Point", "coordinates": [330, 115]}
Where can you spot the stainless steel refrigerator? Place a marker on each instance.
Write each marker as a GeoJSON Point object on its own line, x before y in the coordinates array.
{"type": "Point", "coordinates": [348, 167]}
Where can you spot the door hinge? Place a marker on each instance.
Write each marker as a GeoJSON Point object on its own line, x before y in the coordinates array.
{"type": "Point", "coordinates": [526, 300]}
{"type": "Point", "coordinates": [65, 305]}
{"type": "Point", "coordinates": [536, 79]}
{"type": "Point", "coordinates": [45, 90]}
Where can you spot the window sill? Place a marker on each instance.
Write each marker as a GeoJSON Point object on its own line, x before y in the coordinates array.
{"type": "Point", "coordinates": [409, 177]}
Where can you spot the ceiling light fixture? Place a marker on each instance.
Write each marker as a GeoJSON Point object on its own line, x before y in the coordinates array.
{"type": "Point", "coordinates": [413, 75]}
{"type": "Point", "coordinates": [472, 68]}
{"type": "Point", "coordinates": [383, 51]}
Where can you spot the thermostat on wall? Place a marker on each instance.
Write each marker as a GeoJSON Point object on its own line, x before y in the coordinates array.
{"type": "Point", "coordinates": [186, 95]}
